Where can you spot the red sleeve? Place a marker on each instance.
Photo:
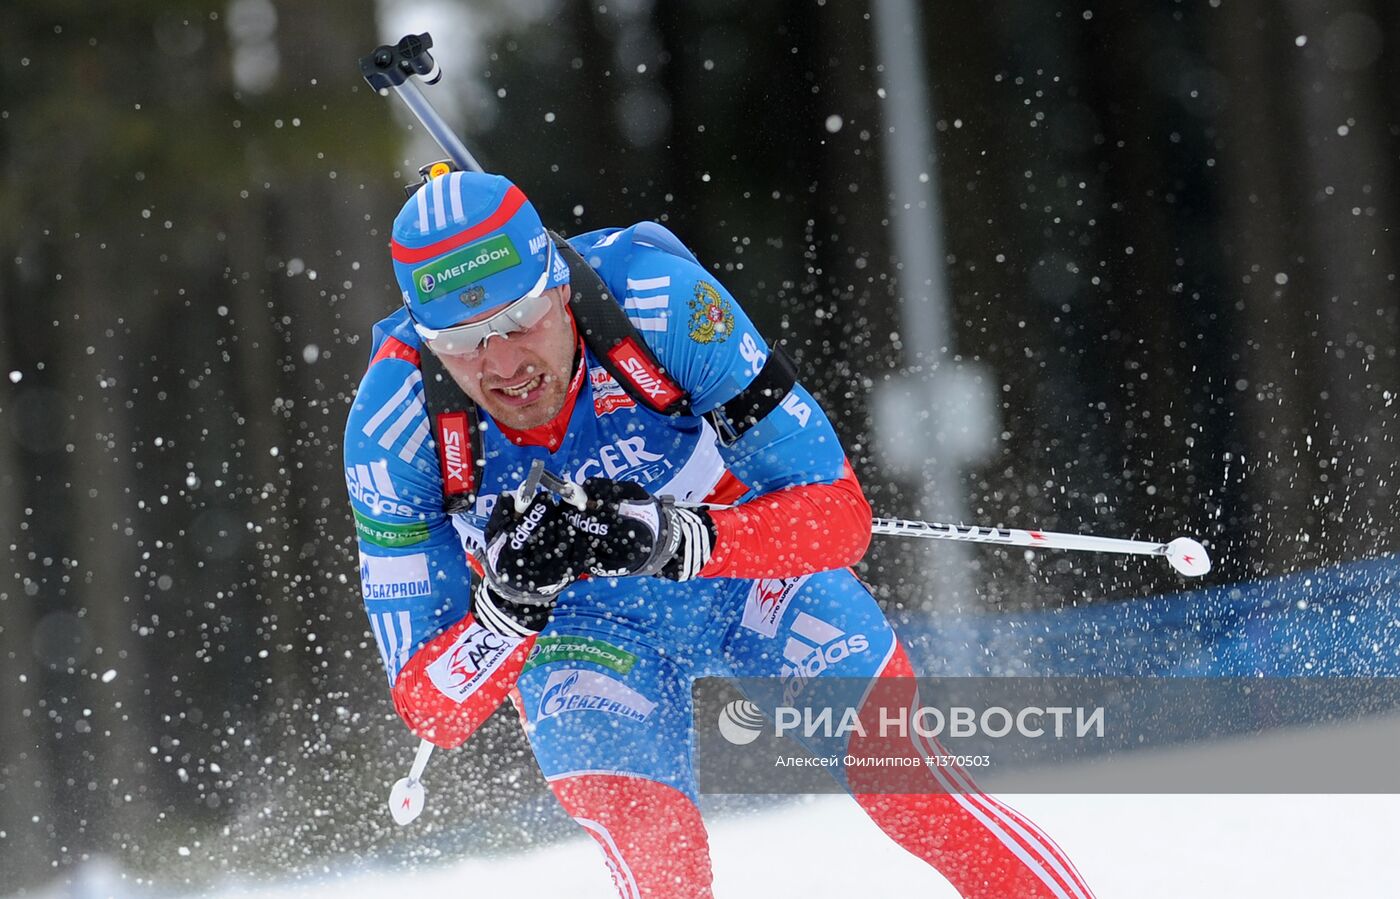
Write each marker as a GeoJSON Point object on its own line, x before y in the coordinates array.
{"type": "Point", "coordinates": [453, 683]}
{"type": "Point", "coordinates": [794, 531]}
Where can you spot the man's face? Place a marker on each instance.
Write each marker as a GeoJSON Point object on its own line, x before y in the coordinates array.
{"type": "Point", "coordinates": [521, 379]}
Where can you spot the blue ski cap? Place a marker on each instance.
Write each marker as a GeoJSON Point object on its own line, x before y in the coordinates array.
{"type": "Point", "coordinates": [468, 242]}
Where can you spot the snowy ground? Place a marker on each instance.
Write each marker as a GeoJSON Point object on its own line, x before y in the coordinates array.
{"type": "Point", "coordinates": [1131, 846]}
{"type": "Point", "coordinates": [1137, 847]}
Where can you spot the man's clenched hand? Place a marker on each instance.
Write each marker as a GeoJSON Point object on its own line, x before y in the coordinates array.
{"type": "Point", "coordinates": [627, 531]}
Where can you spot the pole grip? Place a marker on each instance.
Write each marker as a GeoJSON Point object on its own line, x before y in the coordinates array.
{"type": "Point", "coordinates": [391, 68]}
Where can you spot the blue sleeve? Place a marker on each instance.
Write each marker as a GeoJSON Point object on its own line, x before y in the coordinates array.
{"type": "Point", "coordinates": [414, 575]}
{"type": "Point", "coordinates": [703, 337]}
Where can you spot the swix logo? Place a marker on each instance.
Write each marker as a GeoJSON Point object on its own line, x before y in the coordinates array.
{"type": "Point", "coordinates": [468, 661]}
{"type": "Point", "coordinates": [370, 486]}
{"type": "Point", "coordinates": [643, 374]}
{"type": "Point", "coordinates": [521, 535]}
{"type": "Point", "coordinates": [768, 600]}
{"type": "Point", "coordinates": [821, 646]}
{"type": "Point", "coordinates": [644, 377]}
{"type": "Point", "coordinates": [454, 452]}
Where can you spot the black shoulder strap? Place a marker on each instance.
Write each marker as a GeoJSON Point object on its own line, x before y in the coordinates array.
{"type": "Point", "coordinates": [456, 428]}
{"type": "Point", "coordinates": [622, 350]}
{"type": "Point", "coordinates": [751, 405]}
{"type": "Point", "coordinates": [615, 341]}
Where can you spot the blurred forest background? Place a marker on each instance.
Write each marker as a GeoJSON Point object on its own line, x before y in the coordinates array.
{"type": "Point", "coordinates": [1169, 251]}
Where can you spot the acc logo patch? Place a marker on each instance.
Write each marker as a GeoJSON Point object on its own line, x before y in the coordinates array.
{"type": "Point", "coordinates": [711, 317]}
{"type": "Point", "coordinates": [470, 660]}
{"type": "Point", "coordinates": [768, 600]}
{"type": "Point", "coordinates": [608, 395]}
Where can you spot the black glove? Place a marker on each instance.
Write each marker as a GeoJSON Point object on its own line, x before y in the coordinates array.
{"type": "Point", "coordinates": [627, 531]}
{"type": "Point", "coordinates": [531, 557]}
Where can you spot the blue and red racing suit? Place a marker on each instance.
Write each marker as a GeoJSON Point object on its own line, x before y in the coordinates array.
{"type": "Point", "coordinates": [604, 690]}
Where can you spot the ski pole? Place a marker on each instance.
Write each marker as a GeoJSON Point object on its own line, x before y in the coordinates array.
{"type": "Point", "coordinates": [1184, 554]}
{"type": "Point", "coordinates": [407, 797]}
{"type": "Point", "coordinates": [392, 69]}
{"type": "Point", "coordinates": [1187, 556]}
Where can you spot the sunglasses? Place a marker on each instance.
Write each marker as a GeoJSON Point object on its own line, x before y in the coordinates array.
{"type": "Point", "coordinates": [464, 339]}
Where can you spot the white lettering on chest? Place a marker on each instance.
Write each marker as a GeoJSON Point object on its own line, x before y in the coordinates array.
{"type": "Point", "coordinates": [617, 458]}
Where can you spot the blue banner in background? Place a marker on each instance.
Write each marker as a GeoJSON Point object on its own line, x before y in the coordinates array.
{"type": "Point", "coordinates": [1341, 621]}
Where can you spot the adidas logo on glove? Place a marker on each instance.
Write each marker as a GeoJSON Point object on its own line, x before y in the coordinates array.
{"type": "Point", "coordinates": [587, 523]}
{"type": "Point", "coordinates": [521, 535]}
